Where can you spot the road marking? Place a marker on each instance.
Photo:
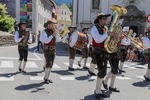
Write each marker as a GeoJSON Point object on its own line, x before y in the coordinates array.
{"type": "Point", "coordinates": [7, 64]}
{"type": "Point", "coordinates": [74, 65]}
{"type": "Point", "coordinates": [16, 58]}
{"type": "Point", "coordinates": [6, 78]}
{"type": "Point", "coordinates": [34, 52]}
{"type": "Point", "coordinates": [31, 65]}
{"type": "Point", "coordinates": [123, 78]}
{"type": "Point", "coordinates": [140, 77]}
{"type": "Point", "coordinates": [36, 78]}
{"type": "Point", "coordinates": [56, 66]}
{"type": "Point", "coordinates": [65, 78]}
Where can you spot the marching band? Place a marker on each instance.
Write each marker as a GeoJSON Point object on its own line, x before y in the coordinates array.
{"type": "Point", "coordinates": [94, 48]}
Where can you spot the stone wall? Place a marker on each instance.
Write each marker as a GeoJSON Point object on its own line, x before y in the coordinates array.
{"type": "Point", "coordinates": [6, 39]}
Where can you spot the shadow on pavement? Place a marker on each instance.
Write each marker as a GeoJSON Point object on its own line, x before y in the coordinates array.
{"type": "Point", "coordinates": [29, 86]}
{"type": "Point", "coordinates": [35, 73]}
{"type": "Point", "coordinates": [9, 74]}
{"type": "Point", "coordinates": [63, 72]}
{"type": "Point", "coordinates": [81, 78]}
{"type": "Point", "coordinates": [141, 84]}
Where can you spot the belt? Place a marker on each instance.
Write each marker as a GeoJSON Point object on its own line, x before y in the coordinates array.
{"type": "Point", "coordinates": [49, 47]}
{"type": "Point", "coordinates": [21, 44]}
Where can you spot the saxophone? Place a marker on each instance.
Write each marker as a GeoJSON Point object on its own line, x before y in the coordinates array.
{"type": "Point", "coordinates": [111, 43]}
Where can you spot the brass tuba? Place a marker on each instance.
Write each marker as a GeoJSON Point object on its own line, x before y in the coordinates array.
{"type": "Point", "coordinates": [112, 42]}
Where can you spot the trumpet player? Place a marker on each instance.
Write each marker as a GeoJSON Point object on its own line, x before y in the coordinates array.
{"type": "Point", "coordinates": [85, 48]}
{"type": "Point", "coordinates": [49, 37]}
{"type": "Point", "coordinates": [123, 47]}
{"type": "Point", "coordinates": [22, 37]}
{"type": "Point", "coordinates": [72, 50]}
{"type": "Point", "coordinates": [146, 43]}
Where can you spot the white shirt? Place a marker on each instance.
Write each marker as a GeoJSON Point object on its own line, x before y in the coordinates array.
{"type": "Point", "coordinates": [45, 39]}
{"type": "Point", "coordinates": [96, 36]}
{"type": "Point", "coordinates": [146, 42]}
{"type": "Point", "coordinates": [17, 39]}
{"type": "Point", "coordinates": [125, 41]}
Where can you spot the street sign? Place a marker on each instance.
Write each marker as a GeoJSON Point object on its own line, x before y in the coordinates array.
{"type": "Point", "coordinates": [148, 18]}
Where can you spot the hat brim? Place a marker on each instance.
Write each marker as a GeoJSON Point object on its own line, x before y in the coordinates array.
{"type": "Point", "coordinates": [72, 27]}
{"type": "Point", "coordinates": [148, 31]}
{"type": "Point", "coordinates": [100, 17]}
{"type": "Point", "coordinates": [21, 23]}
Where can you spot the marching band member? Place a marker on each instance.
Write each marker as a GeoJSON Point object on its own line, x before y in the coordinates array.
{"type": "Point", "coordinates": [146, 43]}
{"type": "Point", "coordinates": [49, 37]}
{"type": "Point", "coordinates": [99, 34]}
{"type": "Point", "coordinates": [123, 46]}
{"type": "Point", "coordinates": [72, 50]}
{"type": "Point", "coordinates": [85, 48]}
{"type": "Point", "coordinates": [22, 37]}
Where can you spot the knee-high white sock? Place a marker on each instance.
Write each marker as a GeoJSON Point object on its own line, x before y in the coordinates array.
{"type": "Point", "coordinates": [71, 63]}
{"type": "Point", "coordinates": [85, 60]}
{"type": "Point", "coordinates": [147, 72]}
{"type": "Point", "coordinates": [109, 75]}
{"type": "Point", "coordinates": [98, 85]}
{"type": "Point", "coordinates": [24, 65]}
{"type": "Point", "coordinates": [47, 73]}
{"type": "Point", "coordinates": [20, 62]}
{"type": "Point", "coordinates": [92, 67]}
{"type": "Point", "coordinates": [113, 77]}
{"type": "Point", "coordinates": [121, 65]}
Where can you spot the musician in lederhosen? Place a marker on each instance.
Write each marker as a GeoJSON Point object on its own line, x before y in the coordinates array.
{"type": "Point", "coordinates": [85, 48]}
{"type": "Point", "coordinates": [146, 43]}
{"type": "Point", "coordinates": [123, 48]}
{"type": "Point", "coordinates": [71, 50]}
{"type": "Point", "coordinates": [99, 34]}
{"type": "Point", "coordinates": [23, 37]}
{"type": "Point", "coordinates": [49, 37]}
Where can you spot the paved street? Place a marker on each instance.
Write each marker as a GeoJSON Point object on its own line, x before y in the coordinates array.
{"type": "Point", "coordinates": [67, 85]}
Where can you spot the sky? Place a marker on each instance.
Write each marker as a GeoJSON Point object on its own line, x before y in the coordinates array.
{"type": "Point", "coordinates": [63, 1]}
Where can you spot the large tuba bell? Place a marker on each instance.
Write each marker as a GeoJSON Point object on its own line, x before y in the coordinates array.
{"type": "Point", "coordinates": [112, 42]}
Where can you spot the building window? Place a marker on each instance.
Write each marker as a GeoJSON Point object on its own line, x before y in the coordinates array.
{"type": "Point", "coordinates": [65, 12]}
{"type": "Point", "coordinates": [61, 18]}
{"type": "Point", "coordinates": [95, 4]}
{"type": "Point", "coordinates": [65, 18]}
{"type": "Point", "coordinates": [62, 12]}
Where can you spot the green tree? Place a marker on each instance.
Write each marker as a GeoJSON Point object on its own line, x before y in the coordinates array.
{"type": "Point", "coordinates": [6, 22]}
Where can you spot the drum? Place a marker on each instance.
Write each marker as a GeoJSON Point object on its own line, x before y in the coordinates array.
{"type": "Point", "coordinates": [77, 40]}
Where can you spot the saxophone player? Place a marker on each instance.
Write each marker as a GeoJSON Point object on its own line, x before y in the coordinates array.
{"type": "Point", "coordinates": [146, 43]}
{"type": "Point", "coordinates": [99, 34]}
{"type": "Point", "coordinates": [22, 37]}
{"type": "Point", "coordinates": [49, 37]}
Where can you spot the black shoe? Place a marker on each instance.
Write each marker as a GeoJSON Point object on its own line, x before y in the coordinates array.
{"type": "Point", "coordinates": [46, 81]}
{"type": "Point", "coordinates": [113, 89]}
{"type": "Point", "coordinates": [50, 81]}
{"type": "Point", "coordinates": [71, 69]}
{"type": "Point", "coordinates": [105, 85]}
{"type": "Point", "coordinates": [91, 73]}
{"type": "Point", "coordinates": [98, 95]}
{"type": "Point", "coordinates": [20, 69]}
{"type": "Point", "coordinates": [120, 70]}
{"type": "Point", "coordinates": [146, 79]}
{"type": "Point", "coordinates": [85, 67]}
{"type": "Point", "coordinates": [23, 71]}
{"type": "Point", "coordinates": [79, 64]}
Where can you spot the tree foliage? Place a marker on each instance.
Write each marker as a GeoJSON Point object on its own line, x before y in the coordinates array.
{"type": "Point", "coordinates": [6, 22]}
